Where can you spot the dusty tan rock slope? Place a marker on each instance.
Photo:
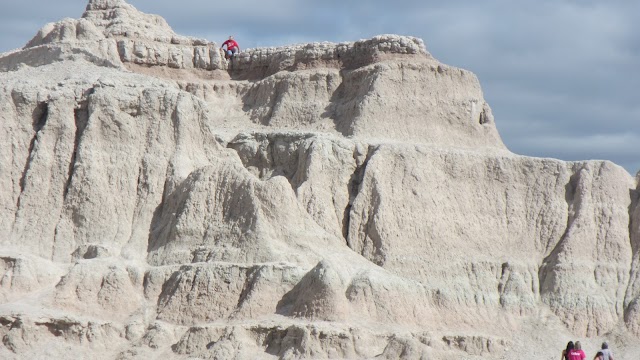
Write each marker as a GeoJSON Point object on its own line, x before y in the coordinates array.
{"type": "Point", "coordinates": [323, 200]}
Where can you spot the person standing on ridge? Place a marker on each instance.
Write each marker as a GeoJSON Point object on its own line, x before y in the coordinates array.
{"type": "Point", "coordinates": [232, 48]}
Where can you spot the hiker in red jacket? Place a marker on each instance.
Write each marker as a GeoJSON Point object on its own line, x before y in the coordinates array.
{"type": "Point", "coordinates": [232, 48]}
{"type": "Point", "coordinates": [576, 353]}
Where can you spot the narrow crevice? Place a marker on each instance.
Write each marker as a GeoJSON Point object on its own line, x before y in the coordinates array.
{"type": "Point", "coordinates": [40, 114]}
{"type": "Point", "coordinates": [250, 281]}
{"type": "Point", "coordinates": [175, 122]}
{"type": "Point", "coordinates": [502, 281]}
{"type": "Point", "coordinates": [552, 258]}
{"type": "Point", "coordinates": [354, 187]}
{"type": "Point", "coordinates": [271, 169]}
{"type": "Point", "coordinates": [169, 289]}
{"type": "Point", "coordinates": [194, 62]}
{"type": "Point", "coordinates": [39, 120]}
{"type": "Point", "coordinates": [122, 49]}
{"type": "Point", "coordinates": [194, 280]}
{"type": "Point", "coordinates": [55, 237]}
{"type": "Point", "coordinates": [136, 212]}
{"type": "Point", "coordinates": [158, 214]}
{"type": "Point", "coordinates": [81, 119]}
{"type": "Point", "coordinates": [634, 241]}
{"type": "Point", "coordinates": [139, 182]}
{"type": "Point", "coordinates": [377, 253]}
{"type": "Point", "coordinates": [27, 165]}
{"type": "Point", "coordinates": [483, 117]}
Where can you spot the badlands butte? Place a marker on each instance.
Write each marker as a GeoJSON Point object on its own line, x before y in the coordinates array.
{"type": "Point", "coordinates": [315, 201]}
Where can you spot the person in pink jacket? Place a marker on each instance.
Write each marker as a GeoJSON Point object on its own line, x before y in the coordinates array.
{"type": "Point", "coordinates": [576, 353]}
{"type": "Point", "coordinates": [565, 352]}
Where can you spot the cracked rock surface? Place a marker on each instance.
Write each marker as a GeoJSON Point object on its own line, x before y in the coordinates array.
{"type": "Point", "coordinates": [322, 200]}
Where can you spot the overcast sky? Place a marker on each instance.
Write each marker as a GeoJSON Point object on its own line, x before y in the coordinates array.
{"type": "Point", "coordinates": [562, 76]}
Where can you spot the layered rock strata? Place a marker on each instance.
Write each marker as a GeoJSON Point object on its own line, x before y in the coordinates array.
{"type": "Point", "coordinates": [314, 201]}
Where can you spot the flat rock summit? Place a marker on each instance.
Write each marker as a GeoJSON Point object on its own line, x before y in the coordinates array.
{"type": "Point", "coordinates": [316, 201]}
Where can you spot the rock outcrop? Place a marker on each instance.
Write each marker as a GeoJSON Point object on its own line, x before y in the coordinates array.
{"type": "Point", "coordinates": [323, 200]}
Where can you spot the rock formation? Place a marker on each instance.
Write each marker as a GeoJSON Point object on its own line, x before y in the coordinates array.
{"type": "Point", "coordinates": [323, 200]}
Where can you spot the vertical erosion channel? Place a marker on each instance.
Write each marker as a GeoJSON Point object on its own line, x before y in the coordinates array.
{"type": "Point", "coordinates": [354, 187]}
{"type": "Point", "coordinates": [81, 118]}
{"type": "Point", "coordinates": [39, 117]}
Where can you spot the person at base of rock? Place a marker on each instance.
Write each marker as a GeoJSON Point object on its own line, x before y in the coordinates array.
{"type": "Point", "coordinates": [606, 353]}
{"type": "Point", "coordinates": [577, 353]}
{"type": "Point", "coordinates": [232, 48]}
{"type": "Point", "coordinates": [565, 352]}
{"type": "Point", "coordinates": [598, 356]}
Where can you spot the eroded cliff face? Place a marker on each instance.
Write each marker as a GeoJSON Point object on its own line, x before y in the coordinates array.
{"type": "Point", "coordinates": [315, 201]}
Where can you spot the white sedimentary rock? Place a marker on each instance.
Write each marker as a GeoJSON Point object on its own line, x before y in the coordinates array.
{"type": "Point", "coordinates": [321, 200]}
